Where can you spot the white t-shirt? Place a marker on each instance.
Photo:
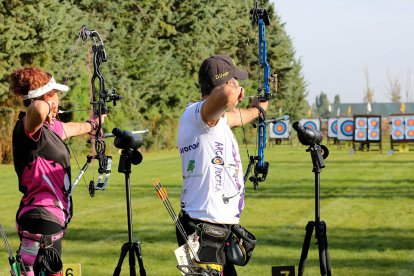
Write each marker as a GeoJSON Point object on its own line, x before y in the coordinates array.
{"type": "Point", "coordinates": [213, 185]}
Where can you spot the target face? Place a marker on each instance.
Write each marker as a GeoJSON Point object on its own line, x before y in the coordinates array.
{"type": "Point", "coordinates": [374, 134]}
{"type": "Point", "coordinates": [397, 134]}
{"type": "Point", "coordinates": [397, 122]}
{"type": "Point", "coordinates": [360, 122]}
{"type": "Point", "coordinates": [374, 122]}
{"type": "Point", "coordinates": [409, 121]}
{"type": "Point", "coordinates": [332, 127]}
{"type": "Point", "coordinates": [311, 123]}
{"type": "Point", "coordinates": [345, 128]}
{"type": "Point", "coordinates": [280, 130]}
{"type": "Point", "coordinates": [360, 134]}
{"type": "Point", "coordinates": [409, 133]}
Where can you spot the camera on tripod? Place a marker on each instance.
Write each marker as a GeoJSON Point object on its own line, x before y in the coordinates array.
{"type": "Point", "coordinates": [311, 137]}
{"type": "Point", "coordinates": [129, 143]}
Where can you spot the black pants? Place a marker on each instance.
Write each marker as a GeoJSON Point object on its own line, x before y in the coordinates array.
{"type": "Point", "coordinates": [185, 219]}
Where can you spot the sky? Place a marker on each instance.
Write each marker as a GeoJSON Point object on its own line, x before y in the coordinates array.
{"type": "Point", "coordinates": [338, 41]}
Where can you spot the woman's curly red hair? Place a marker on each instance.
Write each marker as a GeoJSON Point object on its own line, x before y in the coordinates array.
{"type": "Point", "coordinates": [25, 79]}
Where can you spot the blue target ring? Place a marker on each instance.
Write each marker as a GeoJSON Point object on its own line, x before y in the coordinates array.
{"type": "Point", "coordinates": [347, 128]}
{"type": "Point", "coordinates": [334, 127]}
{"type": "Point", "coordinates": [279, 128]}
{"type": "Point", "coordinates": [310, 125]}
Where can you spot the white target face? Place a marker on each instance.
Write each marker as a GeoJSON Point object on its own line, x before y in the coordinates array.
{"type": "Point", "coordinates": [280, 130]}
{"type": "Point", "coordinates": [332, 127]}
{"type": "Point", "coordinates": [345, 128]}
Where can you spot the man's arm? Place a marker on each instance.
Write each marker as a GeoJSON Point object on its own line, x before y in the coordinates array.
{"type": "Point", "coordinates": [238, 117]}
{"type": "Point", "coordinates": [221, 99]}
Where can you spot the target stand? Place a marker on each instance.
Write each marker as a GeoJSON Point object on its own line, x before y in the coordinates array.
{"type": "Point", "coordinates": [402, 132]}
{"type": "Point", "coordinates": [367, 133]}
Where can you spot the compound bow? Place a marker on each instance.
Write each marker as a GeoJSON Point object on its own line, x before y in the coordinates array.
{"type": "Point", "coordinates": [99, 97]}
{"type": "Point", "coordinates": [260, 17]}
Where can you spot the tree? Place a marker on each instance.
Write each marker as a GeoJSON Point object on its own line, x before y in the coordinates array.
{"type": "Point", "coordinates": [154, 50]}
{"type": "Point", "coordinates": [322, 105]}
{"type": "Point", "coordinates": [394, 88]}
{"type": "Point", "coordinates": [337, 100]}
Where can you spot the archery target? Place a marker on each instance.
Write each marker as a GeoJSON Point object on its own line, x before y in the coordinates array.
{"type": "Point", "coordinates": [360, 134]}
{"type": "Point", "coordinates": [345, 128]}
{"type": "Point", "coordinates": [409, 133]}
{"type": "Point", "coordinates": [397, 134]}
{"type": "Point", "coordinates": [397, 122]}
{"type": "Point", "coordinates": [311, 123]}
{"type": "Point", "coordinates": [279, 130]}
{"type": "Point", "coordinates": [374, 134]}
{"type": "Point", "coordinates": [332, 127]}
{"type": "Point", "coordinates": [409, 121]}
{"type": "Point", "coordinates": [374, 122]}
{"type": "Point", "coordinates": [360, 122]}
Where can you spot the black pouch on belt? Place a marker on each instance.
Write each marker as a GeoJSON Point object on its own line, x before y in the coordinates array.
{"type": "Point", "coordinates": [48, 260]}
{"type": "Point", "coordinates": [240, 246]}
{"type": "Point", "coordinates": [212, 242]}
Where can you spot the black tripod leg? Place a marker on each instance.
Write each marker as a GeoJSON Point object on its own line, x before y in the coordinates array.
{"type": "Point", "coordinates": [137, 249]}
{"type": "Point", "coordinates": [124, 250]}
{"type": "Point", "coordinates": [305, 247]}
{"type": "Point", "coordinates": [132, 271]}
{"type": "Point", "coordinates": [324, 261]}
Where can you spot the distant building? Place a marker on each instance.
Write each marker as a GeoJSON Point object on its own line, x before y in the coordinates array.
{"type": "Point", "coordinates": [384, 109]}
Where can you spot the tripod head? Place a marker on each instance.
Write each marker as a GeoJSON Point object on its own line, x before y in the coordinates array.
{"type": "Point", "coordinates": [307, 136]}
{"type": "Point", "coordinates": [312, 138]}
{"type": "Point", "coordinates": [129, 143]}
{"type": "Point", "coordinates": [126, 139]}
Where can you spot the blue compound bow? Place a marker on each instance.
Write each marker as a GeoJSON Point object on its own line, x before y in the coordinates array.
{"type": "Point", "coordinates": [260, 18]}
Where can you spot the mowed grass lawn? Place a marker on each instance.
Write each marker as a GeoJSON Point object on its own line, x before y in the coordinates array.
{"type": "Point", "coordinates": [366, 202]}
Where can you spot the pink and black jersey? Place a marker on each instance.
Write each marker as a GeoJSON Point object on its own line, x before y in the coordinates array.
{"type": "Point", "coordinates": [42, 164]}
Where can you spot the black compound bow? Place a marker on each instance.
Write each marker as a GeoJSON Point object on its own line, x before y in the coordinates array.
{"type": "Point", "coordinates": [99, 97]}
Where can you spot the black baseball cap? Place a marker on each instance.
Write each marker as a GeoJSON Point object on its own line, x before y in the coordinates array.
{"type": "Point", "coordinates": [218, 69]}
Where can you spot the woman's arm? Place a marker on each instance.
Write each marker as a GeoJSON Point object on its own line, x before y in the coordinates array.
{"type": "Point", "coordinates": [37, 112]}
{"type": "Point", "coordinates": [74, 129]}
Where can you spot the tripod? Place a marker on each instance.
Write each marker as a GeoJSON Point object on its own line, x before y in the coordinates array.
{"type": "Point", "coordinates": [129, 156]}
{"type": "Point", "coordinates": [319, 226]}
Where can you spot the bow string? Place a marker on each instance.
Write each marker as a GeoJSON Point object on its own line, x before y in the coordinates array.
{"type": "Point", "coordinates": [260, 18]}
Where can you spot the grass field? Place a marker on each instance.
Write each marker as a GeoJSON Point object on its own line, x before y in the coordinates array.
{"type": "Point", "coordinates": [367, 202]}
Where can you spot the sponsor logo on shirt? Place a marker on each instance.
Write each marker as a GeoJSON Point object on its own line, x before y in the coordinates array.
{"type": "Point", "coordinates": [191, 166]}
{"type": "Point", "coordinates": [189, 148]}
{"type": "Point", "coordinates": [218, 163]}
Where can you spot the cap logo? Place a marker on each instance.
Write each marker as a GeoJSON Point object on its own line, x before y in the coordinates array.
{"type": "Point", "coordinates": [221, 75]}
